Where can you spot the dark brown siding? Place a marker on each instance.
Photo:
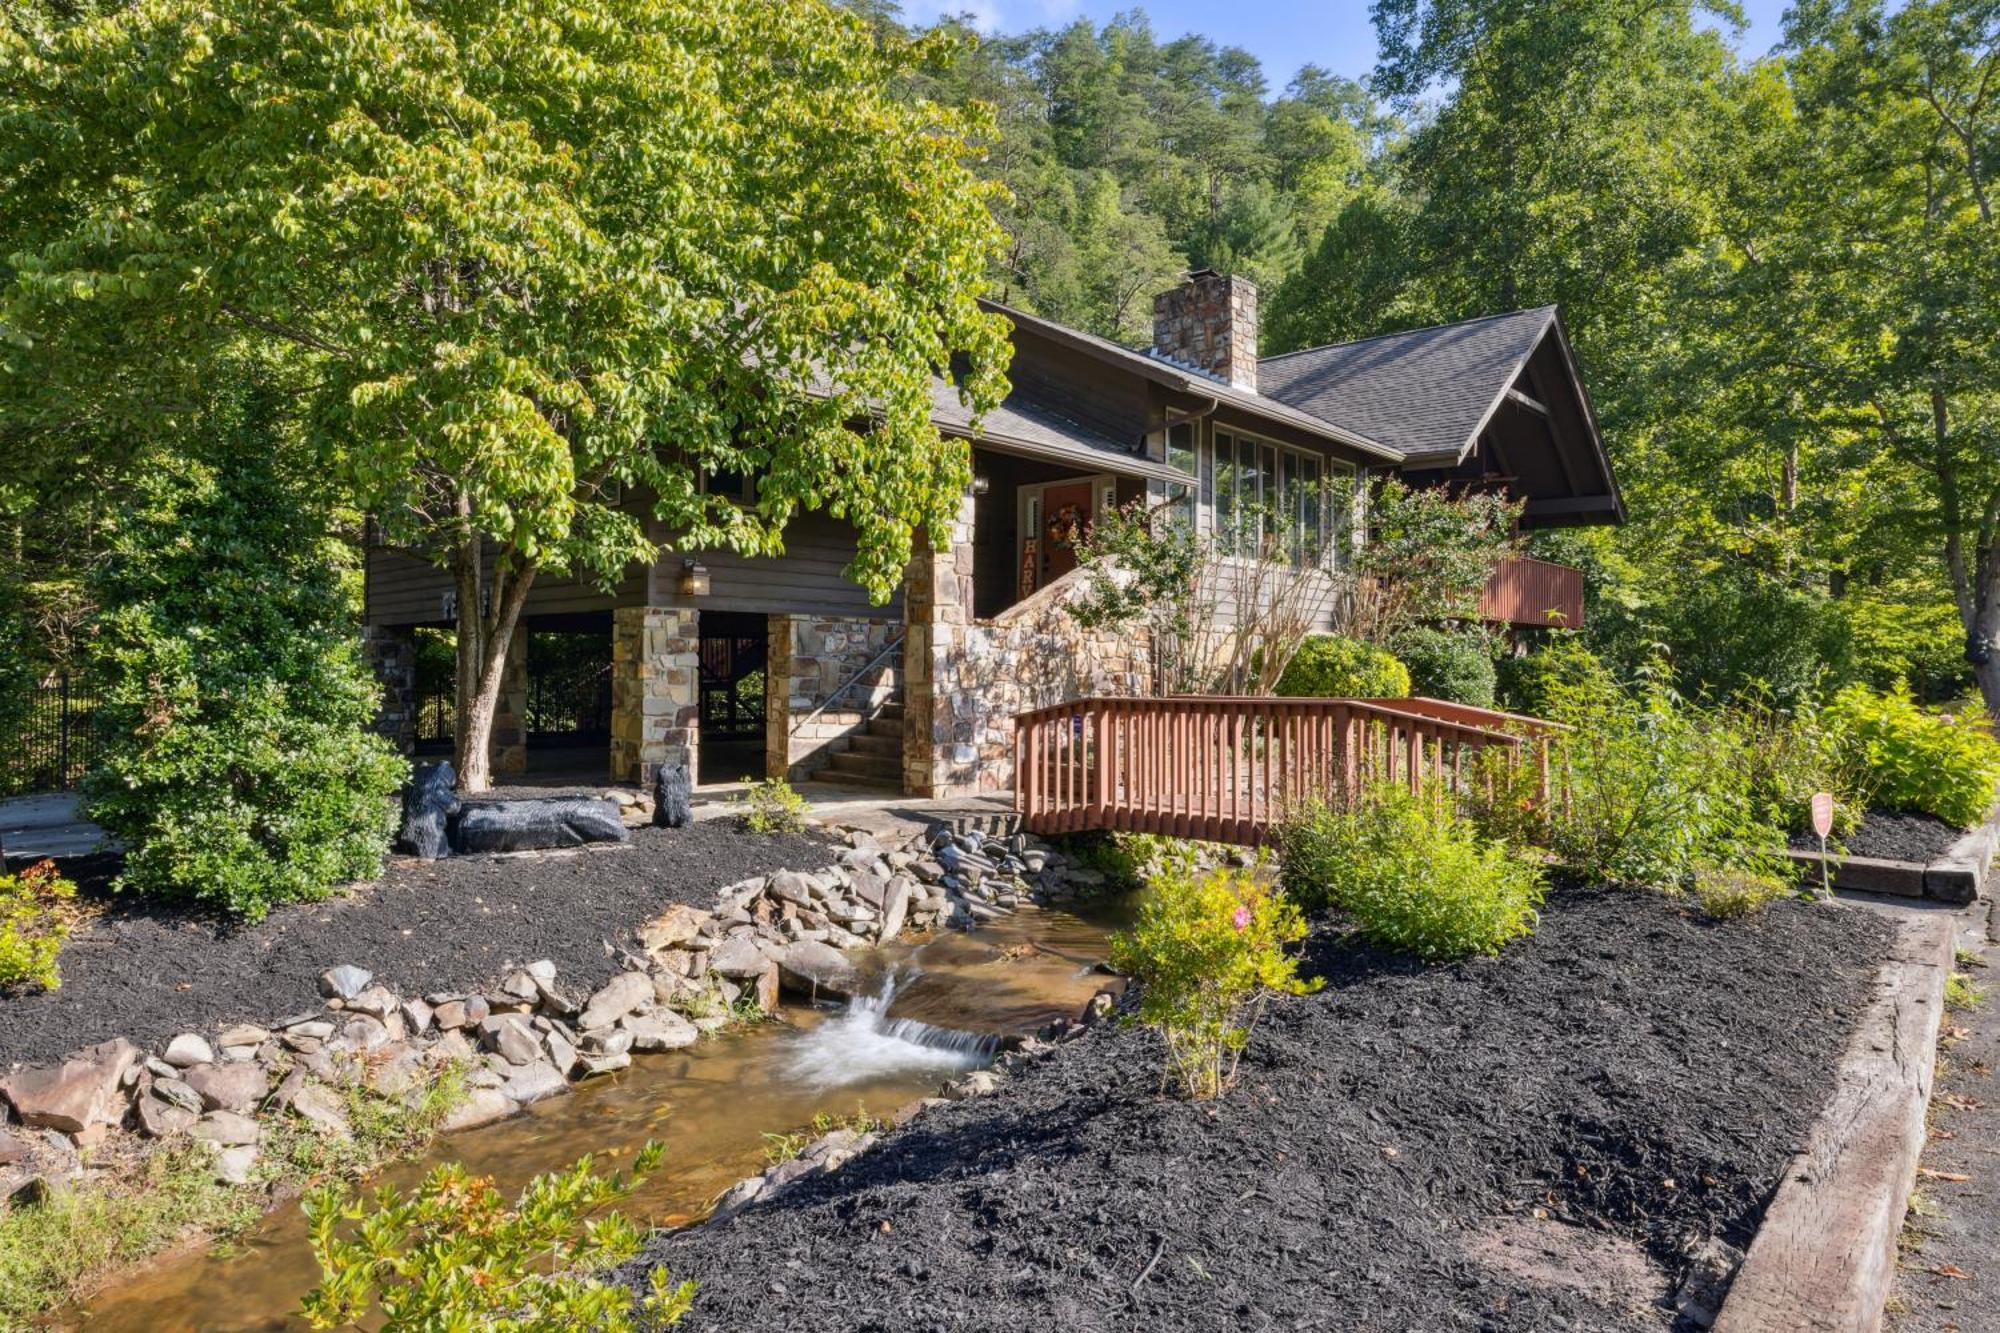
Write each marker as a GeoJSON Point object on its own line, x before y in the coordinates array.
{"type": "Point", "coordinates": [806, 579]}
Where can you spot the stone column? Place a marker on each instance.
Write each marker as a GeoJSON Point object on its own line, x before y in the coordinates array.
{"type": "Point", "coordinates": [655, 691]}
{"type": "Point", "coordinates": [778, 698]}
{"type": "Point", "coordinates": [391, 653]}
{"type": "Point", "coordinates": [940, 750]}
{"type": "Point", "coordinates": [508, 745]}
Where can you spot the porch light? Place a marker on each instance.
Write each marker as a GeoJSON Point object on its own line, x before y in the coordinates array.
{"type": "Point", "coordinates": [981, 485]}
{"type": "Point", "coordinates": [694, 578]}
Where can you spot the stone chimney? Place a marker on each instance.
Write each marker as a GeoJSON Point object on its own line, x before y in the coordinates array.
{"type": "Point", "coordinates": [1210, 322]}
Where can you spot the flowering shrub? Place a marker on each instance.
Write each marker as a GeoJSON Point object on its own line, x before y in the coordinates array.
{"type": "Point", "coordinates": [452, 1254]}
{"type": "Point", "coordinates": [35, 919]}
{"type": "Point", "coordinates": [1914, 760]}
{"type": "Point", "coordinates": [1415, 875]}
{"type": "Point", "coordinates": [1205, 946]}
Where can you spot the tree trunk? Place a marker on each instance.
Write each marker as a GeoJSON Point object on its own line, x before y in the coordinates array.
{"type": "Point", "coordinates": [483, 641]}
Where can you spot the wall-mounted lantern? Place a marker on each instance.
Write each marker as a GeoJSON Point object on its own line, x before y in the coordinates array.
{"type": "Point", "coordinates": [694, 578]}
{"type": "Point", "coordinates": [981, 485]}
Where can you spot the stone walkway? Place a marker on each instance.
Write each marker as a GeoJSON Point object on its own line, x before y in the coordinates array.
{"type": "Point", "coordinates": [33, 828]}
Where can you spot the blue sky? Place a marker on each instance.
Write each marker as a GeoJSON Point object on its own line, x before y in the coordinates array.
{"type": "Point", "coordinates": [1283, 34]}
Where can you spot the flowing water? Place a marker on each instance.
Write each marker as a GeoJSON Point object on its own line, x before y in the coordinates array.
{"type": "Point", "coordinates": [935, 1008]}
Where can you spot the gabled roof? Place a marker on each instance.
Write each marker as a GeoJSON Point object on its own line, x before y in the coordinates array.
{"type": "Point", "coordinates": [1187, 380]}
{"type": "Point", "coordinates": [1426, 392]}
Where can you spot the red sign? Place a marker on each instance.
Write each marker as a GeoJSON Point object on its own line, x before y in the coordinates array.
{"type": "Point", "coordinates": [1822, 812]}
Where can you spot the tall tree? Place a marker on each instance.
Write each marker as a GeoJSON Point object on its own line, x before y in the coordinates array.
{"type": "Point", "coordinates": [533, 258]}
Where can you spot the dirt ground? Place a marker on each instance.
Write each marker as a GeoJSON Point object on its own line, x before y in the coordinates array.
{"type": "Point", "coordinates": [147, 971]}
{"type": "Point", "coordinates": [1531, 1142]}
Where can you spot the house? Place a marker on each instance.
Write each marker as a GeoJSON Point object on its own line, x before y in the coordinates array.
{"type": "Point", "coordinates": [781, 666]}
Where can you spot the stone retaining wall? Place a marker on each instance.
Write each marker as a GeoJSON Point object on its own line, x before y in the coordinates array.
{"type": "Point", "coordinates": [965, 678]}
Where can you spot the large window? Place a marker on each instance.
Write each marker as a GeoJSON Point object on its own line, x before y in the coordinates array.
{"type": "Point", "coordinates": [1251, 488]}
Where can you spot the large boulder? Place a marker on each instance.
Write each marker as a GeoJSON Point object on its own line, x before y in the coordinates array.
{"type": "Point", "coordinates": [817, 971]}
{"type": "Point", "coordinates": [526, 826]}
{"type": "Point", "coordinates": [618, 997]}
{"type": "Point", "coordinates": [738, 958]}
{"type": "Point", "coordinates": [84, 1090]}
{"type": "Point", "coordinates": [428, 805]}
{"type": "Point", "coordinates": [673, 796]}
{"type": "Point", "coordinates": [233, 1087]}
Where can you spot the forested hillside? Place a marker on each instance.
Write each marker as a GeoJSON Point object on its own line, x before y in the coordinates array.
{"type": "Point", "coordinates": [1782, 275]}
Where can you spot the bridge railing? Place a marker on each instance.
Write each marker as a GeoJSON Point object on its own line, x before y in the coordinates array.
{"type": "Point", "coordinates": [1227, 769]}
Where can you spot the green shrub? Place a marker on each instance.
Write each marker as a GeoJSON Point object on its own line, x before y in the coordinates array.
{"type": "Point", "coordinates": [1415, 876]}
{"type": "Point", "coordinates": [772, 806]}
{"type": "Point", "coordinates": [35, 919]}
{"type": "Point", "coordinates": [1328, 666]}
{"type": "Point", "coordinates": [1652, 787]}
{"type": "Point", "coordinates": [1731, 893]}
{"type": "Point", "coordinates": [1503, 796]}
{"type": "Point", "coordinates": [1914, 760]}
{"type": "Point", "coordinates": [1204, 946]}
{"type": "Point", "coordinates": [234, 761]}
{"type": "Point", "coordinates": [1792, 754]}
{"type": "Point", "coordinates": [1449, 664]}
{"type": "Point", "coordinates": [1528, 684]}
{"type": "Point", "coordinates": [453, 1254]}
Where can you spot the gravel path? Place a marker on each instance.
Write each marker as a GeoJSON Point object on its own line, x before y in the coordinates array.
{"type": "Point", "coordinates": [1522, 1143]}
{"type": "Point", "coordinates": [147, 971]}
{"type": "Point", "coordinates": [1948, 1277]}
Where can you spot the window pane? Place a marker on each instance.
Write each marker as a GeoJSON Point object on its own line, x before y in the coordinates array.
{"type": "Point", "coordinates": [1180, 447]}
{"type": "Point", "coordinates": [1227, 488]}
{"type": "Point", "coordinates": [1311, 538]}
{"type": "Point", "coordinates": [1250, 487]}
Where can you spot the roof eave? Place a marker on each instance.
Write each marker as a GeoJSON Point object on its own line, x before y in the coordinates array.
{"type": "Point", "coordinates": [1165, 373]}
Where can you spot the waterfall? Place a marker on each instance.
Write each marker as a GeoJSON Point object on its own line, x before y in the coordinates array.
{"type": "Point", "coordinates": [864, 1042]}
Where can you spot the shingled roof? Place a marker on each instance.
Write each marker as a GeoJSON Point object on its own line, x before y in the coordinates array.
{"type": "Point", "coordinates": [1426, 392]}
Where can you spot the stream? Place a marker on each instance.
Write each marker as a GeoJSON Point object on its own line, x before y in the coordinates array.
{"type": "Point", "coordinates": [932, 1008]}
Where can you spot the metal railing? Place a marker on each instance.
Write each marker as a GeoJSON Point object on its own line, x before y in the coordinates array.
{"type": "Point", "coordinates": [55, 741]}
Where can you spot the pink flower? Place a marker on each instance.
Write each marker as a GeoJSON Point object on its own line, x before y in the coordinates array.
{"type": "Point", "coordinates": [1242, 917]}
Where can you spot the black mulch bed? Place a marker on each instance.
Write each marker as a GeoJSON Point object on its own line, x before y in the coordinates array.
{"type": "Point", "coordinates": [1635, 1073]}
{"type": "Point", "coordinates": [147, 971]}
{"type": "Point", "coordinates": [1893, 836]}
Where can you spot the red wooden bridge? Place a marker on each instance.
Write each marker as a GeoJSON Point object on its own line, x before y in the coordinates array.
{"type": "Point", "coordinates": [1227, 769]}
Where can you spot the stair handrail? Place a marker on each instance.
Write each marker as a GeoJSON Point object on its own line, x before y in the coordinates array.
{"type": "Point", "coordinates": [852, 680]}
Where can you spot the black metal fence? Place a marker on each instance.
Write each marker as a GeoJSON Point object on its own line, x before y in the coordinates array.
{"type": "Point", "coordinates": [55, 742]}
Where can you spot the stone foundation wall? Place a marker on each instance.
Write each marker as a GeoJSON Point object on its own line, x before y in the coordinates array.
{"type": "Point", "coordinates": [810, 658]}
{"type": "Point", "coordinates": [655, 691]}
{"type": "Point", "coordinates": [965, 679]}
{"type": "Point", "coordinates": [391, 653]}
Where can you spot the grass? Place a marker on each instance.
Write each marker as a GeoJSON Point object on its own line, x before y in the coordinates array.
{"type": "Point", "coordinates": [782, 1148]}
{"type": "Point", "coordinates": [51, 1250]}
{"type": "Point", "coordinates": [55, 1251]}
{"type": "Point", "coordinates": [1960, 992]}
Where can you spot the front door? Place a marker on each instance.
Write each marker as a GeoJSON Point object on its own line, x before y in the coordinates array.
{"type": "Point", "coordinates": [1056, 515]}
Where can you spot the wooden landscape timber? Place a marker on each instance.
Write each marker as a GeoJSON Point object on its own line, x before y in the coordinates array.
{"type": "Point", "coordinates": [1825, 1257]}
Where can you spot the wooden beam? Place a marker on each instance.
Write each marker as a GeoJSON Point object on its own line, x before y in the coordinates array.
{"type": "Point", "coordinates": [1572, 504]}
{"type": "Point", "coordinates": [1535, 405]}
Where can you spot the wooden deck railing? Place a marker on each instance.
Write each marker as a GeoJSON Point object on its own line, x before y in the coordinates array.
{"type": "Point", "coordinates": [1227, 769]}
{"type": "Point", "coordinates": [1521, 591]}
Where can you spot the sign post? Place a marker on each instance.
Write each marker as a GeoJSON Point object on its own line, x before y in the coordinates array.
{"type": "Point", "coordinates": [1822, 818]}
